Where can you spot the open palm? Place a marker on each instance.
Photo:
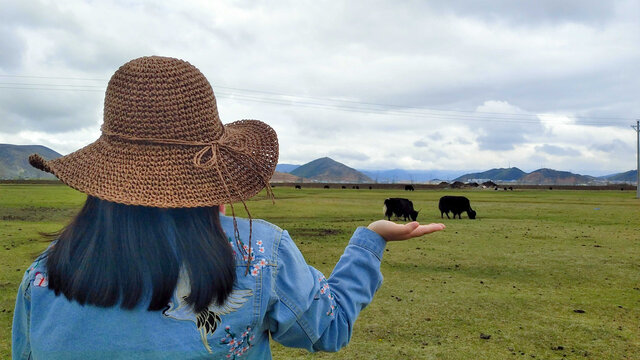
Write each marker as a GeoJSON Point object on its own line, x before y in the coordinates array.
{"type": "Point", "coordinates": [391, 231]}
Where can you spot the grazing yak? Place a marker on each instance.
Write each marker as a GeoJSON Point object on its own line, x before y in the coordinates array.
{"type": "Point", "coordinates": [457, 205]}
{"type": "Point", "coordinates": [298, 187]}
{"type": "Point", "coordinates": [400, 208]}
{"type": "Point", "coordinates": [409, 188]}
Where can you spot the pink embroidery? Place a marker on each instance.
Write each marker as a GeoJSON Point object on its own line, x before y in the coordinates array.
{"type": "Point", "coordinates": [325, 290]}
{"type": "Point", "coordinates": [249, 255]}
{"type": "Point", "coordinates": [237, 346]}
{"type": "Point", "coordinates": [257, 267]}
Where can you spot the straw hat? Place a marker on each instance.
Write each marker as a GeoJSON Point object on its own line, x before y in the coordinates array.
{"type": "Point", "coordinates": [163, 144]}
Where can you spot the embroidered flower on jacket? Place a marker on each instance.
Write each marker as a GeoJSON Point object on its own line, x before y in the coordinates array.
{"type": "Point", "coordinates": [238, 346]}
{"type": "Point", "coordinates": [255, 270]}
{"type": "Point", "coordinates": [325, 290]}
{"type": "Point", "coordinates": [249, 255]}
{"type": "Point", "coordinates": [330, 312]}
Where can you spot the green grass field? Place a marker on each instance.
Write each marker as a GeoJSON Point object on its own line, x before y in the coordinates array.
{"type": "Point", "coordinates": [517, 273]}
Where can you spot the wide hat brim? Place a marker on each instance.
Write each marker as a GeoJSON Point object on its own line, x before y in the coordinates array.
{"type": "Point", "coordinates": [148, 173]}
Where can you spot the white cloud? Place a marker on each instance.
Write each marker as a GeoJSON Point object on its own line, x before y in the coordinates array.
{"type": "Point", "coordinates": [558, 150]}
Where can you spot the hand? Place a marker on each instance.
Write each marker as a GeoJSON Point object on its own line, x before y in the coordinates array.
{"type": "Point", "coordinates": [391, 231]}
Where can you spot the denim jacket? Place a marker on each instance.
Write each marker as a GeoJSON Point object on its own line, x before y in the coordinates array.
{"type": "Point", "coordinates": [281, 296]}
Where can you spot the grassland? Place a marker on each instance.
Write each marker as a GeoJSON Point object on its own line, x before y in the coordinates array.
{"type": "Point", "coordinates": [517, 273]}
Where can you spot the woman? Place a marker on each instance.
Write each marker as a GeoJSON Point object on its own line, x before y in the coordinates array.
{"type": "Point", "coordinates": [149, 269]}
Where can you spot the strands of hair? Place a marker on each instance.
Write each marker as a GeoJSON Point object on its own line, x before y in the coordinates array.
{"type": "Point", "coordinates": [114, 254]}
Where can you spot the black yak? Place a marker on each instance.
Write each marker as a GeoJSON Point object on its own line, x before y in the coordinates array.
{"type": "Point", "coordinates": [409, 188]}
{"type": "Point", "coordinates": [400, 208]}
{"type": "Point", "coordinates": [457, 205]}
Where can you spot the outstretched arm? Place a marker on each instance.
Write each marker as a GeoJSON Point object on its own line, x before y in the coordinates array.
{"type": "Point", "coordinates": [318, 314]}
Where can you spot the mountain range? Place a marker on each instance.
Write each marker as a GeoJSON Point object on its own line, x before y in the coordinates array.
{"type": "Point", "coordinates": [14, 164]}
{"type": "Point", "coordinates": [538, 177]}
{"type": "Point", "coordinates": [546, 177]}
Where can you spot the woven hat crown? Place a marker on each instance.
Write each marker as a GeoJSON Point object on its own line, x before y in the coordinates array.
{"type": "Point", "coordinates": [162, 98]}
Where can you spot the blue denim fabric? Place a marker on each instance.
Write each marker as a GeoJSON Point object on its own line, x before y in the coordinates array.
{"type": "Point", "coordinates": [281, 296]}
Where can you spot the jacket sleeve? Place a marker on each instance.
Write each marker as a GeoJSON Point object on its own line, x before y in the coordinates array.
{"type": "Point", "coordinates": [312, 312]}
{"type": "Point", "coordinates": [20, 342]}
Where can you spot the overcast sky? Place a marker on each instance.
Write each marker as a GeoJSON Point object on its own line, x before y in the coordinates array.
{"type": "Point", "coordinates": [423, 85]}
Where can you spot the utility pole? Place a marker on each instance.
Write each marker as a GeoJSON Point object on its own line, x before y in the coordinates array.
{"type": "Point", "coordinates": [637, 129]}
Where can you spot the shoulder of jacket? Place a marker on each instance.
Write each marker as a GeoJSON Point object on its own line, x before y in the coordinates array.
{"type": "Point", "coordinates": [256, 224]}
{"type": "Point", "coordinates": [265, 236]}
{"type": "Point", "coordinates": [39, 264]}
{"type": "Point", "coordinates": [35, 273]}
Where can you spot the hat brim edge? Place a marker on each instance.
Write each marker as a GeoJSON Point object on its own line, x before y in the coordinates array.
{"type": "Point", "coordinates": [50, 166]}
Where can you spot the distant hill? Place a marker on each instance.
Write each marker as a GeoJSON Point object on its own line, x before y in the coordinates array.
{"type": "Point", "coordinates": [282, 177]}
{"type": "Point", "coordinates": [286, 168]}
{"type": "Point", "coordinates": [555, 177]}
{"type": "Point", "coordinates": [14, 161]}
{"type": "Point", "coordinates": [502, 174]}
{"type": "Point", "coordinates": [328, 170]}
{"type": "Point", "coordinates": [630, 176]}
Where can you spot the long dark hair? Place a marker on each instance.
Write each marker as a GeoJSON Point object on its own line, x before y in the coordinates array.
{"type": "Point", "coordinates": [114, 254]}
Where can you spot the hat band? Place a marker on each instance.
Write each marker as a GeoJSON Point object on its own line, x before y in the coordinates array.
{"type": "Point", "coordinates": [213, 147]}
{"type": "Point", "coordinates": [213, 162]}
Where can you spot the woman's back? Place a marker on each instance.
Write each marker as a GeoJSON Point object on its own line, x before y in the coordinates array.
{"type": "Point", "coordinates": [280, 295]}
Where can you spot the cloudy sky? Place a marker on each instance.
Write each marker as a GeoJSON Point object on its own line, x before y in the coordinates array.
{"type": "Point", "coordinates": [374, 84]}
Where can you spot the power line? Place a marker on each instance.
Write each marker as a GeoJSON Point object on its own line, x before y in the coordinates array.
{"type": "Point", "coordinates": [50, 77]}
{"type": "Point", "coordinates": [367, 110]}
{"type": "Point", "coordinates": [379, 111]}
{"type": "Point", "coordinates": [271, 97]}
{"type": "Point", "coordinates": [337, 100]}
{"type": "Point", "coordinates": [48, 89]}
{"type": "Point", "coordinates": [70, 85]}
{"type": "Point", "coordinates": [408, 106]}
